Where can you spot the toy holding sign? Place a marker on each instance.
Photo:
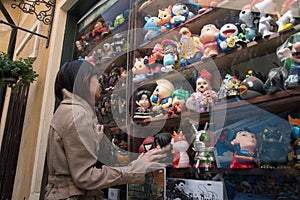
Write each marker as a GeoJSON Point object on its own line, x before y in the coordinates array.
{"type": "Point", "coordinates": [245, 156]}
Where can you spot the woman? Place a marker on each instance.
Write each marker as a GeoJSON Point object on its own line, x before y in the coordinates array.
{"type": "Point", "coordinates": [75, 139]}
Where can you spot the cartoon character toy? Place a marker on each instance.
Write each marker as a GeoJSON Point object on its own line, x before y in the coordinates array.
{"type": "Point", "coordinates": [180, 13]}
{"type": "Point", "coordinates": [204, 97]}
{"type": "Point", "coordinates": [180, 146]}
{"type": "Point", "coordinates": [208, 38]}
{"type": "Point", "coordinates": [170, 55]}
{"type": "Point", "coordinates": [155, 61]}
{"type": "Point", "coordinates": [179, 98]}
{"type": "Point", "coordinates": [228, 37]}
{"type": "Point", "coordinates": [295, 136]}
{"type": "Point", "coordinates": [119, 43]}
{"type": "Point", "coordinates": [161, 98]}
{"type": "Point", "coordinates": [204, 155]}
{"type": "Point", "coordinates": [143, 102]}
{"type": "Point", "coordinates": [286, 18]}
{"type": "Point", "coordinates": [99, 31]}
{"type": "Point", "coordinates": [189, 47]}
{"type": "Point", "coordinates": [293, 79]}
{"type": "Point", "coordinates": [247, 26]}
{"type": "Point", "coordinates": [245, 144]}
{"type": "Point", "coordinates": [151, 28]}
{"type": "Point", "coordinates": [251, 87]}
{"type": "Point", "coordinates": [229, 87]}
{"type": "Point", "coordinates": [158, 141]}
{"type": "Point", "coordinates": [164, 19]}
{"type": "Point", "coordinates": [139, 70]}
{"type": "Point", "coordinates": [107, 52]}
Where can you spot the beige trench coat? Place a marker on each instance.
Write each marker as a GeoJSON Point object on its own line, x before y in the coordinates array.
{"type": "Point", "coordinates": [71, 154]}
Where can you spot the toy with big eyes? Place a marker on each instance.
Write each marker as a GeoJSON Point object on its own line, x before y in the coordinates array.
{"type": "Point", "coordinates": [227, 39]}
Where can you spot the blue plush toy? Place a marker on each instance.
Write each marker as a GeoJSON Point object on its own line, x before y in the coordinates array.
{"type": "Point", "coordinates": [151, 28]}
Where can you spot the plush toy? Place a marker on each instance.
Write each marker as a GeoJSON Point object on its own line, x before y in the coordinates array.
{"type": "Point", "coordinates": [204, 152]}
{"type": "Point", "coordinates": [251, 87]}
{"type": "Point", "coordinates": [151, 28]}
{"type": "Point", "coordinates": [229, 87]}
{"type": "Point", "coordinates": [228, 37]}
{"type": "Point", "coordinates": [293, 79]}
{"type": "Point", "coordinates": [143, 102]}
{"type": "Point", "coordinates": [205, 96]}
{"type": "Point", "coordinates": [179, 98]}
{"type": "Point", "coordinates": [295, 136]}
{"type": "Point", "coordinates": [189, 47]}
{"type": "Point", "coordinates": [245, 144]}
{"type": "Point", "coordinates": [164, 19]}
{"type": "Point", "coordinates": [161, 98]}
{"type": "Point", "coordinates": [180, 146]}
{"type": "Point", "coordinates": [170, 55]}
{"type": "Point", "coordinates": [180, 13]}
{"type": "Point", "coordinates": [208, 38]}
{"type": "Point", "coordinates": [139, 70]}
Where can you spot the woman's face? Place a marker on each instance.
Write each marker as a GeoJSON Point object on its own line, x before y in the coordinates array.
{"type": "Point", "coordinates": [95, 89]}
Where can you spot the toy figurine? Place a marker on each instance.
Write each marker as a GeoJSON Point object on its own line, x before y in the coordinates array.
{"type": "Point", "coordinates": [229, 87]}
{"type": "Point", "coordinates": [123, 76]}
{"type": "Point", "coordinates": [119, 44]}
{"type": "Point", "coordinates": [264, 26]}
{"type": "Point", "coordinates": [295, 136]}
{"type": "Point", "coordinates": [286, 18]}
{"type": "Point", "coordinates": [155, 61]}
{"type": "Point", "coordinates": [293, 79]}
{"type": "Point", "coordinates": [227, 39]}
{"type": "Point", "coordinates": [143, 102]}
{"type": "Point", "coordinates": [170, 55]}
{"type": "Point", "coordinates": [161, 98]}
{"type": "Point", "coordinates": [164, 19]}
{"type": "Point", "coordinates": [139, 70]}
{"type": "Point", "coordinates": [179, 98]}
{"type": "Point", "coordinates": [107, 52]}
{"type": "Point", "coordinates": [204, 156]}
{"type": "Point", "coordinates": [208, 38]}
{"type": "Point", "coordinates": [158, 141]}
{"type": "Point", "coordinates": [275, 80]}
{"type": "Point", "coordinates": [99, 31]}
{"type": "Point", "coordinates": [189, 47]}
{"type": "Point", "coordinates": [180, 13]}
{"type": "Point", "coordinates": [248, 27]}
{"type": "Point", "coordinates": [245, 156]}
{"type": "Point", "coordinates": [251, 87]}
{"type": "Point", "coordinates": [152, 30]}
{"type": "Point", "coordinates": [180, 146]}
{"type": "Point", "coordinates": [272, 148]}
{"type": "Point", "coordinates": [147, 144]}
{"type": "Point", "coordinates": [204, 97]}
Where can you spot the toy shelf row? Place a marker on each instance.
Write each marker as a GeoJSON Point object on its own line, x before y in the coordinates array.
{"type": "Point", "coordinates": [242, 54]}
{"type": "Point", "coordinates": [279, 102]}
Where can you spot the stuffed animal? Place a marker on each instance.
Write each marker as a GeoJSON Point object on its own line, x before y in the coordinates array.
{"type": "Point", "coordinates": [180, 146]}
{"type": "Point", "coordinates": [139, 70]}
{"type": "Point", "coordinates": [161, 98]}
{"type": "Point", "coordinates": [245, 155]}
{"type": "Point", "coordinates": [189, 47]}
{"type": "Point", "coordinates": [151, 28]}
{"type": "Point", "coordinates": [180, 13]}
{"type": "Point", "coordinates": [208, 38]}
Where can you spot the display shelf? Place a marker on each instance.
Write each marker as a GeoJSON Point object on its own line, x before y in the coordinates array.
{"type": "Point", "coordinates": [276, 103]}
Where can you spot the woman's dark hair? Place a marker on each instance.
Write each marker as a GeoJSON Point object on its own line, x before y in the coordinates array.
{"type": "Point", "coordinates": [75, 77]}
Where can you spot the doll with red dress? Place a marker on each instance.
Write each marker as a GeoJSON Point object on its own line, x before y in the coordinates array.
{"type": "Point", "coordinates": [245, 155]}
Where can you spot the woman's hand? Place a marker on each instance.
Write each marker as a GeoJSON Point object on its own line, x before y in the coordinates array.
{"type": "Point", "coordinates": [150, 159]}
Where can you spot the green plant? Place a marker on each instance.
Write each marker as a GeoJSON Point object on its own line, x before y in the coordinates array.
{"type": "Point", "coordinates": [14, 72]}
